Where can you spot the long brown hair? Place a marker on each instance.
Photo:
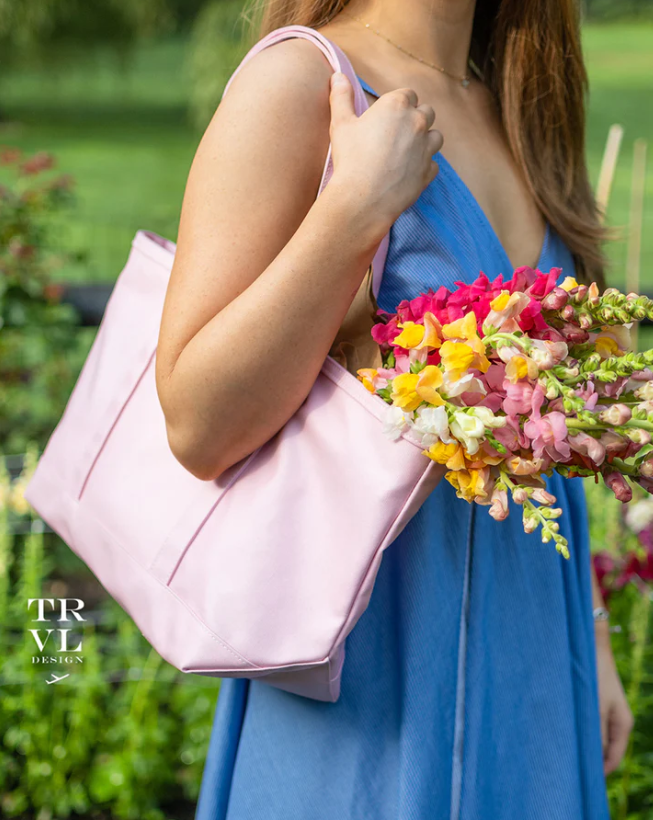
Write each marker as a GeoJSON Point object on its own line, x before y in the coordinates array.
{"type": "Point", "coordinates": [530, 56]}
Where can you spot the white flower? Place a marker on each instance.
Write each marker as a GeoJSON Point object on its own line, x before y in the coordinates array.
{"type": "Point", "coordinates": [548, 354]}
{"type": "Point", "coordinates": [468, 383]}
{"type": "Point", "coordinates": [639, 515]}
{"type": "Point", "coordinates": [645, 391]}
{"type": "Point", "coordinates": [468, 429]}
{"type": "Point", "coordinates": [396, 421]}
{"type": "Point", "coordinates": [487, 417]}
{"type": "Point", "coordinates": [431, 426]}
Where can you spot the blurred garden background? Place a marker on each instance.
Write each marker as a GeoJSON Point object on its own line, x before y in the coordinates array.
{"type": "Point", "coordinates": [101, 109]}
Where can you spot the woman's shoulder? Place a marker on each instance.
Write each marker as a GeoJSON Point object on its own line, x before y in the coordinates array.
{"type": "Point", "coordinates": [293, 73]}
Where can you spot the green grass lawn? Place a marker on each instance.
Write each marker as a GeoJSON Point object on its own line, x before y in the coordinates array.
{"type": "Point", "coordinates": [127, 140]}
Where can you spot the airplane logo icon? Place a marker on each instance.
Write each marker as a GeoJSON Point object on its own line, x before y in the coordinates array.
{"type": "Point", "coordinates": [56, 679]}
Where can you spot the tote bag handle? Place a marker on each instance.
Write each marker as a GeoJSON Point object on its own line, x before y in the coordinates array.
{"type": "Point", "coordinates": [339, 62]}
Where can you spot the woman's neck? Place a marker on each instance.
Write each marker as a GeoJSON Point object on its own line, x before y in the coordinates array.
{"type": "Point", "coordinates": [439, 31]}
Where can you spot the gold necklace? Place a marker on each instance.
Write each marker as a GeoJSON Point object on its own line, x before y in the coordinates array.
{"type": "Point", "coordinates": [464, 81]}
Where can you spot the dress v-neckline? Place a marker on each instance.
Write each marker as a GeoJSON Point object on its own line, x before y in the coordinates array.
{"type": "Point", "coordinates": [481, 216]}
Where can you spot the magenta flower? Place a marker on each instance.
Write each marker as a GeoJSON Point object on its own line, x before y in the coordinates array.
{"type": "Point", "coordinates": [522, 279]}
{"type": "Point", "coordinates": [385, 333]}
{"type": "Point", "coordinates": [544, 283]}
{"type": "Point", "coordinates": [413, 310]}
{"type": "Point", "coordinates": [531, 319]}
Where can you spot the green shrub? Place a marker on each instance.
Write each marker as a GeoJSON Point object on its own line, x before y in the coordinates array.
{"type": "Point", "coordinates": [126, 733]}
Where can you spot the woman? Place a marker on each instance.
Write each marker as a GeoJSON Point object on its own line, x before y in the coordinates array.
{"type": "Point", "coordinates": [469, 689]}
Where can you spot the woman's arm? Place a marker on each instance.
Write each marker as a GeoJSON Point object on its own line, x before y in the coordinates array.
{"type": "Point", "coordinates": [264, 274]}
{"type": "Point", "coordinates": [616, 717]}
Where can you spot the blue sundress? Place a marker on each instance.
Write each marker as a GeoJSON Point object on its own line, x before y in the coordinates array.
{"type": "Point", "coordinates": [469, 689]}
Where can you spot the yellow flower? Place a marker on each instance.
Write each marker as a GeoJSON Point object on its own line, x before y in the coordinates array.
{"type": "Point", "coordinates": [457, 358]}
{"type": "Point", "coordinates": [411, 335]}
{"type": "Point", "coordinates": [404, 392]}
{"type": "Point", "coordinates": [409, 390]}
{"type": "Point", "coordinates": [521, 367]}
{"type": "Point", "coordinates": [415, 335]}
{"type": "Point", "coordinates": [469, 484]}
{"type": "Point", "coordinates": [451, 455]}
{"type": "Point", "coordinates": [499, 302]}
{"type": "Point", "coordinates": [517, 368]}
{"type": "Point", "coordinates": [466, 330]}
{"type": "Point", "coordinates": [432, 331]}
{"type": "Point", "coordinates": [366, 375]}
{"type": "Point", "coordinates": [429, 379]}
{"type": "Point", "coordinates": [569, 283]}
{"type": "Point", "coordinates": [606, 347]}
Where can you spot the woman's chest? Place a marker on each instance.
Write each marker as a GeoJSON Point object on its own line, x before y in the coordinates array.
{"type": "Point", "coordinates": [475, 151]}
{"type": "Point", "coordinates": [445, 238]}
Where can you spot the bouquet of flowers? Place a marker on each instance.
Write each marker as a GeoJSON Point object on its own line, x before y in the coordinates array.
{"type": "Point", "coordinates": [505, 382]}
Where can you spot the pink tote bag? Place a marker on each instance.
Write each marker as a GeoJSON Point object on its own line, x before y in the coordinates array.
{"type": "Point", "coordinates": [262, 572]}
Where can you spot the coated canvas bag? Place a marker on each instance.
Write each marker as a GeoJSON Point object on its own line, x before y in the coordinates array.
{"type": "Point", "coordinates": [262, 572]}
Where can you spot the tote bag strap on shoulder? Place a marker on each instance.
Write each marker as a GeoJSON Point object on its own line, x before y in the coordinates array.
{"type": "Point", "coordinates": [339, 62]}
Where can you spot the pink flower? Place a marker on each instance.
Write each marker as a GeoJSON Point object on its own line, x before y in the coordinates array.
{"type": "Point", "coordinates": [511, 435]}
{"type": "Point", "coordinates": [494, 377]}
{"type": "Point", "coordinates": [548, 433]}
{"type": "Point", "coordinates": [588, 394]}
{"type": "Point", "coordinates": [613, 389]}
{"type": "Point", "coordinates": [519, 397]}
{"type": "Point", "coordinates": [588, 446]}
{"type": "Point", "coordinates": [645, 484]}
{"type": "Point", "coordinates": [619, 486]}
{"type": "Point", "coordinates": [642, 375]}
{"type": "Point", "coordinates": [555, 299]}
{"type": "Point", "coordinates": [615, 445]}
{"type": "Point", "coordinates": [543, 497]}
{"type": "Point", "coordinates": [402, 362]}
{"type": "Point", "coordinates": [493, 400]}
{"type": "Point", "coordinates": [499, 507]}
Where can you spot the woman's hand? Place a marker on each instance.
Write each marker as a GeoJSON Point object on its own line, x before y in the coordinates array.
{"type": "Point", "coordinates": [384, 157]}
{"type": "Point", "coordinates": [616, 717]}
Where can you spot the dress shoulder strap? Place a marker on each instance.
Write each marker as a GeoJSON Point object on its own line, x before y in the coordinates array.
{"type": "Point", "coordinates": [339, 62]}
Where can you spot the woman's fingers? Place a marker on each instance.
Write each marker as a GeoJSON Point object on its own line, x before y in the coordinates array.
{"type": "Point", "coordinates": [408, 93]}
{"type": "Point", "coordinates": [428, 113]}
{"type": "Point", "coordinates": [435, 141]}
